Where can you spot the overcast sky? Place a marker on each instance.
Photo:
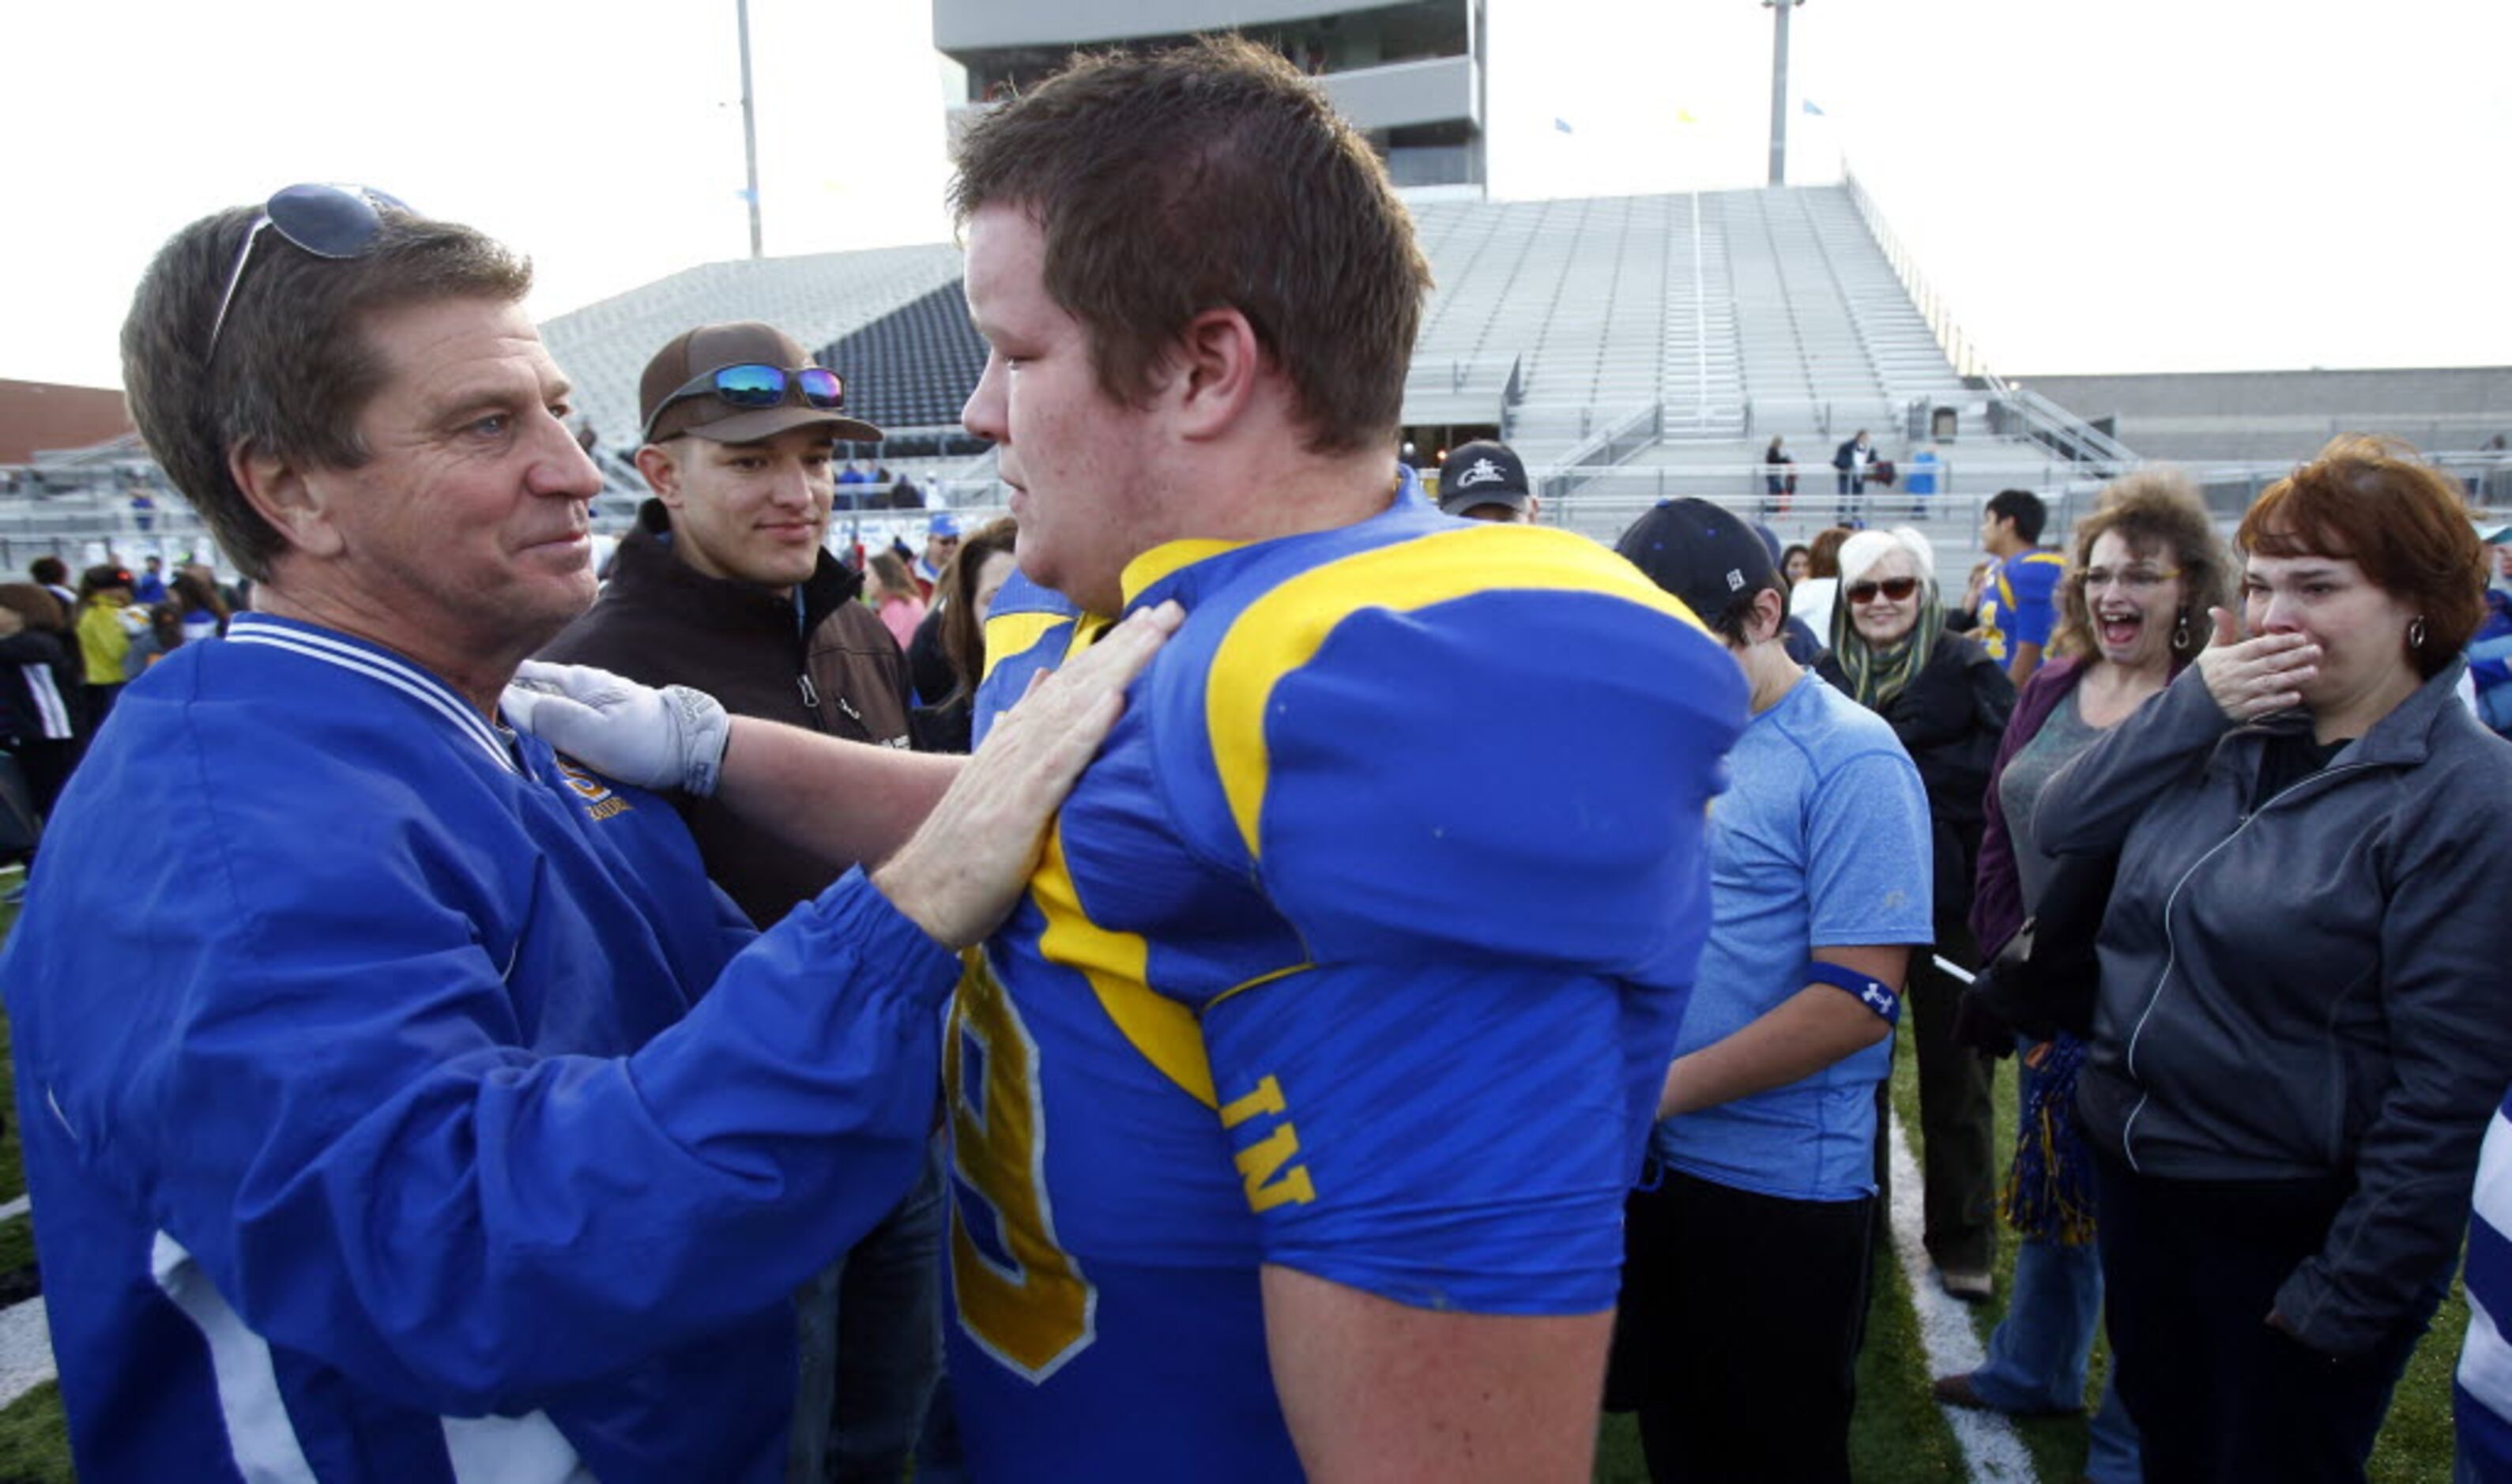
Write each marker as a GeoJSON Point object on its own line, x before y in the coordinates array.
{"type": "Point", "coordinates": [2091, 184]}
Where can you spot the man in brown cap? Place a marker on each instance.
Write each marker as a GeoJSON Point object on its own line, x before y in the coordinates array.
{"type": "Point", "coordinates": [726, 585]}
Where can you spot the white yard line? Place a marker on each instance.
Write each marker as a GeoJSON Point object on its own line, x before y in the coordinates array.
{"type": "Point", "coordinates": [1989, 1444]}
{"type": "Point", "coordinates": [26, 1349]}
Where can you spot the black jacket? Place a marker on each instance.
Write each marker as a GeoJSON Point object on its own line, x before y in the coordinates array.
{"type": "Point", "coordinates": [2308, 988]}
{"type": "Point", "coordinates": [662, 622]}
{"type": "Point", "coordinates": [39, 687]}
{"type": "Point", "coordinates": [1949, 718]}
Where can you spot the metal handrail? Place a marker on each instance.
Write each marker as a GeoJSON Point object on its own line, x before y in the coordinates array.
{"type": "Point", "coordinates": [1617, 435]}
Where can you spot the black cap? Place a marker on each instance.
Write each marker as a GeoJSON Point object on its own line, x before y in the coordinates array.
{"type": "Point", "coordinates": [1481, 473]}
{"type": "Point", "coordinates": [1701, 554]}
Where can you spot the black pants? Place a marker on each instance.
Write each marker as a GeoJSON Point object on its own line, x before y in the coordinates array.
{"type": "Point", "coordinates": [100, 705]}
{"type": "Point", "coordinates": [1737, 1338]}
{"type": "Point", "coordinates": [1957, 1118]}
{"type": "Point", "coordinates": [2190, 1271]}
{"type": "Point", "coordinates": [46, 763]}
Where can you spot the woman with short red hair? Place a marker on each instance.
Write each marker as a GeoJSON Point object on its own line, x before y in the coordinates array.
{"type": "Point", "coordinates": [2302, 1029]}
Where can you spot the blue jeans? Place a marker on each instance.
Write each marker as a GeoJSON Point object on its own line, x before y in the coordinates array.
{"type": "Point", "coordinates": [871, 1346]}
{"type": "Point", "coordinates": [2037, 1358]}
{"type": "Point", "coordinates": [2037, 1355]}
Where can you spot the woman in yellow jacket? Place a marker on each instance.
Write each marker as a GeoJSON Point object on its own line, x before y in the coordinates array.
{"type": "Point", "coordinates": [103, 637]}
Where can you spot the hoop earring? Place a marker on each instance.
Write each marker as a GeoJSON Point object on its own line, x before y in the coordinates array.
{"type": "Point", "coordinates": [2181, 633]}
{"type": "Point", "coordinates": [2416, 631]}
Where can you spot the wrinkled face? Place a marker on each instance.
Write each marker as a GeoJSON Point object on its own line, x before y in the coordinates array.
{"type": "Point", "coordinates": [753, 511]}
{"type": "Point", "coordinates": [2133, 600]}
{"type": "Point", "coordinates": [1882, 619]}
{"type": "Point", "coordinates": [1080, 463]}
{"type": "Point", "coordinates": [2360, 627]}
{"type": "Point", "coordinates": [467, 525]}
{"type": "Point", "coordinates": [992, 574]}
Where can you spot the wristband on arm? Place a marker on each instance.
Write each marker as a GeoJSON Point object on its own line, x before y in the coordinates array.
{"type": "Point", "coordinates": [1872, 993]}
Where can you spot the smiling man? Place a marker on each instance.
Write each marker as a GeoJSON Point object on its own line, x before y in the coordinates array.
{"type": "Point", "coordinates": [726, 583]}
{"type": "Point", "coordinates": [442, 1121]}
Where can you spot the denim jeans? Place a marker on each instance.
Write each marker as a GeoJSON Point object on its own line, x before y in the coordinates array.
{"type": "Point", "coordinates": [2037, 1356]}
{"type": "Point", "coordinates": [871, 1346]}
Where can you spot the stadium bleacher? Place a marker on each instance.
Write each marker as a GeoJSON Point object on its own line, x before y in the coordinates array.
{"type": "Point", "coordinates": [1631, 348]}
{"type": "Point", "coordinates": [914, 367]}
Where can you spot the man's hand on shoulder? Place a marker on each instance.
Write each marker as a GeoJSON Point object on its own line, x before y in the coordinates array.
{"type": "Point", "coordinates": [962, 871]}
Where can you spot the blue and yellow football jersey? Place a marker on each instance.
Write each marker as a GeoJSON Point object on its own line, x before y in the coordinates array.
{"type": "Point", "coordinates": [2019, 601]}
{"type": "Point", "coordinates": [1359, 951]}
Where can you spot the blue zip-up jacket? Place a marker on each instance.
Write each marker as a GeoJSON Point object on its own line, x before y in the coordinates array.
{"type": "Point", "coordinates": [375, 1127]}
{"type": "Point", "coordinates": [2310, 990]}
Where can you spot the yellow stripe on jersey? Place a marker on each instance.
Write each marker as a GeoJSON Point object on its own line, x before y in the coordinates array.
{"type": "Point", "coordinates": [1166, 558]}
{"type": "Point", "coordinates": [1283, 629]}
{"type": "Point", "coordinates": [1117, 967]}
{"type": "Point", "coordinates": [1016, 634]}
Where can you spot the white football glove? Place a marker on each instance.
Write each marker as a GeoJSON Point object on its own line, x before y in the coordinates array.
{"type": "Point", "coordinates": [671, 738]}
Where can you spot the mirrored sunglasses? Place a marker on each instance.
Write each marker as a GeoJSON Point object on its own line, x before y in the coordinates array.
{"type": "Point", "coordinates": [753, 386]}
{"type": "Point", "coordinates": [331, 221]}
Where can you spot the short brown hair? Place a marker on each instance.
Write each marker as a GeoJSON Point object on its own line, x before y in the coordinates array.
{"type": "Point", "coordinates": [294, 370]}
{"type": "Point", "coordinates": [35, 603]}
{"type": "Point", "coordinates": [1212, 176]}
{"type": "Point", "coordinates": [2152, 510]}
{"type": "Point", "coordinates": [2373, 500]}
{"type": "Point", "coordinates": [964, 632]}
{"type": "Point", "coordinates": [1822, 558]}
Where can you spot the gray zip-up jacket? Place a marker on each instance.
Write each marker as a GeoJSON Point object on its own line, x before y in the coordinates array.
{"type": "Point", "coordinates": [2314, 990]}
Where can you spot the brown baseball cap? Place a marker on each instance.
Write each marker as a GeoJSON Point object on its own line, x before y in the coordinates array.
{"type": "Point", "coordinates": [710, 348]}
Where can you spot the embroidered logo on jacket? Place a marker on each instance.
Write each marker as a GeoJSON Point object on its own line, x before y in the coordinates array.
{"type": "Point", "coordinates": [600, 802]}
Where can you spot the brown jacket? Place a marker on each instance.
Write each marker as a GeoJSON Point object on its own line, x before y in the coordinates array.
{"type": "Point", "coordinates": [817, 658]}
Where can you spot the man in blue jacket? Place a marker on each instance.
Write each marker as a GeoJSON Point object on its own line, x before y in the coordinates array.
{"type": "Point", "coordinates": [400, 1102]}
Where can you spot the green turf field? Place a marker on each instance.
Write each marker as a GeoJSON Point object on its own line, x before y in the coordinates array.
{"type": "Point", "coordinates": [1898, 1436]}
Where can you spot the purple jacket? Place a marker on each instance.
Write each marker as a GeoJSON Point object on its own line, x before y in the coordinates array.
{"type": "Point", "coordinates": [1997, 905]}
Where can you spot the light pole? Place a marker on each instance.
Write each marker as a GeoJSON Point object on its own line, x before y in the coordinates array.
{"type": "Point", "coordinates": [1779, 10]}
{"type": "Point", "coordinates": [750, 123]}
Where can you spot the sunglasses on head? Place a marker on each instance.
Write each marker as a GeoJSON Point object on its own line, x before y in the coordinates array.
{"type": "Point", "coordinates": [331, 221]}
{"type": "Point", "coordinates": [1897, 589]}
{"type": "Point", "coordinates": [755, 386]}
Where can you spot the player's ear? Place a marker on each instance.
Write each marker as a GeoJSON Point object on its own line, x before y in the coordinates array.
{"type": "Point", "coordinates": [1212, 372]}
